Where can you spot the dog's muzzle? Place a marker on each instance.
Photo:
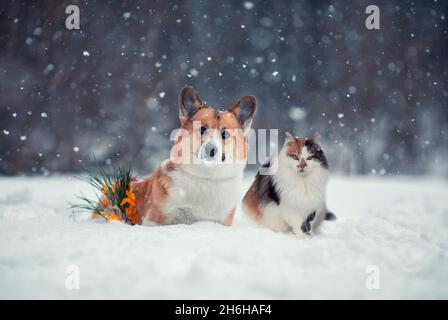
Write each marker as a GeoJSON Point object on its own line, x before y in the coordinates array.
{"type": "Point", "coordinates": [211, 152]}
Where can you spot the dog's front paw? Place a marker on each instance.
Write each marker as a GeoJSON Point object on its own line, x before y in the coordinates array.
{"type": "Point", "coordinates": [168, 165]}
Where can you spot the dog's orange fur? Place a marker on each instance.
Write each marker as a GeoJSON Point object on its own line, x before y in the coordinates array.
{"type": "Point", "coordinates": [151, 194]}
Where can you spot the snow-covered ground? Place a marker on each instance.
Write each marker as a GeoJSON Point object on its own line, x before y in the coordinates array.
{"type": "Point", "coordinates": [395, 226]}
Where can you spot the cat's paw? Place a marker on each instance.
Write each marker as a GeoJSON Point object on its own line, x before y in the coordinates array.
{"type": "Point", "coordinates": [300, 234]}
{"type": "Point", "coordinates": [303, 236]}
{"type": "Point", "coordinates": [305, 227]}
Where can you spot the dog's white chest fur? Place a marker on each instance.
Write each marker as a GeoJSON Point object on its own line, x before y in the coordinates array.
{"type": "Point", "coordinates": [194, 198]}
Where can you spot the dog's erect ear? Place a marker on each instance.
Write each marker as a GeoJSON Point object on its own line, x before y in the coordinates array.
{"type": "Point", "coordinates": [289, 137]}
{"type": "Point", "coordinates": [189, 103]}
{"type": "Point", "coordinates": [245, 110]}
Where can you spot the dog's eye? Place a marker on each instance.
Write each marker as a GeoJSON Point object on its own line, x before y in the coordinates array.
{"type": "Point", "coordinates": [225, 134]}
{"type": "Point", "coordinates": [203, 129]}
{"type": "Point", "coordinates": [295, 157]}
{"type": "Point", "coordinates": [310, 158]}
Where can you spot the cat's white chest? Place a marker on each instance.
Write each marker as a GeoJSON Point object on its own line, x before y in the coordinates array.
{"type": "Point", "coordinates": [296, 204]}
{"type": "Point", "coordinates": [300, 197]}
{"type": "Point", "coordinates": [194, 198]}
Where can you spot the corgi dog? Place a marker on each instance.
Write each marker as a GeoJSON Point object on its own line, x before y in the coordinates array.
{"type": "Point", "coordinates": [200, 180]}
{"type": "Point", "coordinates": [289, 194]}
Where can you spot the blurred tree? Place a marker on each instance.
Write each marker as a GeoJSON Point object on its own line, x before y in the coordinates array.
{"type": "Point", "coordinates": [378, 97]}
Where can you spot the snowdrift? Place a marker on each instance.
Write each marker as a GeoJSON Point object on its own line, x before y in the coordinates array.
{"type": "Point", "coordinates": [397, 225]}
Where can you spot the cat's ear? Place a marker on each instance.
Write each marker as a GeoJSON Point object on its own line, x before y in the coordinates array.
{"type": "Point", "coordinates": [289, 137]}
{"type": "Point", "coordinates": [316, 139]}
{"type": "Point", "coordinates": [245, 110]}
{"type": "Point", "coordinates": [189, 103]}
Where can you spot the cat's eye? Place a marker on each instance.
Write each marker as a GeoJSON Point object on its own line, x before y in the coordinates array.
{"type": "Point", "coordinates": [225, 134]}
{"type": "Point", "coordinates": [295, 157]}
{"type": "Point", "coordinates": [203, 129]}
{"type": "Point", "coordinates": [310, 158]}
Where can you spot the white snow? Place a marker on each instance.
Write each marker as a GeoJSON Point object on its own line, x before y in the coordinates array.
{"type": "Point", "coordinates": [397, 226]}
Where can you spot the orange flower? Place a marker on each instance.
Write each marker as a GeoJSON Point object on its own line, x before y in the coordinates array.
{"type": "Point", "coordinates": [114, 216]}
{"type": "Point", "coordinates": [104, 188]}
{"type": "Point", "coordinates": [131, 212]}
{"type": "Point", "coordinates": [104, 201]}
{"type": "Point", "coordinates": [132, 215]}
{"type": "Point", "coordinates": [106, 215]}
{"type": "Point", "coordinates": [130, 199]}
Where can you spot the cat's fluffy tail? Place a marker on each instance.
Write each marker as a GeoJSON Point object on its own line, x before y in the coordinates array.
{"type": "Point", "coordinates": [330, 216]}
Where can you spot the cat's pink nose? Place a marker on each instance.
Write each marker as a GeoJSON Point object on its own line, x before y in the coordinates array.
{"type": "Point", "coordinates": [302, 164]}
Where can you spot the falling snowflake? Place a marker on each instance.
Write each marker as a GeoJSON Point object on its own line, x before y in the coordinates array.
{"type": "Point", "coordinates": [194, 72]}
{"type": "Point", "coordinates": [248, 5]}
{"type": "Point", "coordinates": [296, 113]}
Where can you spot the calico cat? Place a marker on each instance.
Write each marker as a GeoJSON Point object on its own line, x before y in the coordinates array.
{"type": "Point", "coordinates": [290, 195]}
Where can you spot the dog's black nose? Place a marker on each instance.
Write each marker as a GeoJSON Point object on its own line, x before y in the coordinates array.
{"type": "Point", "coordinates": [211, 151]}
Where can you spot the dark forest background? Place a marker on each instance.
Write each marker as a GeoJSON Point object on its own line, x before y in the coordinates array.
{"type": "Point", "coordinates": [378, 97]}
